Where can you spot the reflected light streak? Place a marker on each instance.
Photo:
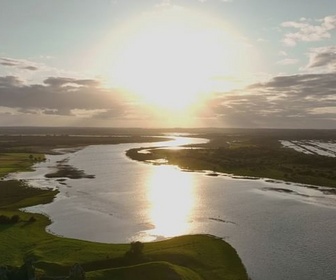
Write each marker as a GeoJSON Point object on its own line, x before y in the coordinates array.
{"type": "Point", "coordinates": [171, 198]}
{"type": "Point", "coordinates": [179, 141]}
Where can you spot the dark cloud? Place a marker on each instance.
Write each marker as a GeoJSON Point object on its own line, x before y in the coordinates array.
{"type": "Point", "coordinates": [9, 82]}
{"type": "Point", "coordinates": [323, 57]}
{"type": "Point", "coordinates": [302, 101]}
{"type": "Point", "coordinates": [32, 68]}
{"type": "Point", "coordinates": [8, 62]}
{"type": "Point", "coordinates": [18, 63]}
{"type": "Point", "coordinates": [303, 85]}
{"type": "Point", "coordinates": [59, 96]}
{"type": "Point", "coordinates": [60, 81]}
{"type": "Point", "coordinates": [296, 101]}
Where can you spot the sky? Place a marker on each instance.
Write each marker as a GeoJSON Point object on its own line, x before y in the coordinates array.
{"type": "Point", "coordinates": [160, 63]}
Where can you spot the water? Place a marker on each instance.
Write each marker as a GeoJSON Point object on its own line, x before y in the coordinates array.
{"type": "Point", "coordinates": [278, 235]}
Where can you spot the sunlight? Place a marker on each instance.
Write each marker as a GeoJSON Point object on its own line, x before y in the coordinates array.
{"type": "Point", "coordinates": [170, 60]}
{"type": "Point", "coordinates": [171, 198]}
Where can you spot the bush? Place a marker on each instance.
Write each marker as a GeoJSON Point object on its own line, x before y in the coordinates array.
{"type": "Point", "coordinates": [32, 219]}
{"type": "Point", "coordinates": [15, 219]}
{"type": "Point", "coordinates": [4, 219]}
{"type": "Point", "coordinates": [136, 251]}
{"type": "Point", "coordinates": [7, 221]}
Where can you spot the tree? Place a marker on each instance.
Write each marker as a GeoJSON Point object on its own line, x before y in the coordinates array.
{"type": "Point", "coordinates": [136, 251]}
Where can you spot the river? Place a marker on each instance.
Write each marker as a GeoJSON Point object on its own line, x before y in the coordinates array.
{"type": "Point", "coordinates": [278, 235]}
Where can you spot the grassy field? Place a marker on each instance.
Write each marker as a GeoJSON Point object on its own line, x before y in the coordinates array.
{"type": "Point", "coordinates": [187, 257]}
{"type": "Point", "coordinates": [16, 161]}
{"type": "Point", "coordinates": [252, 154]}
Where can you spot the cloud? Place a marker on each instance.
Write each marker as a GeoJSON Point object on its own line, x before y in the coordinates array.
{"type": "Point", "coordinates": [293, 101]}
{"type": "Point", "coordinates": [61, 82]}
{"type": "Point", "coordinates": [60, 96]}
{"type": "Point", "coordinates": [296, 101]}
{"type": "Point", "coordinates": [9, 81]}
{"type": "Point", "coordinates": [288, 61]}
{"type": "Point", "coordinates": [109, 114]}
{"type": "Point", "coordinates": [308, 32]}
{"type": "Point", "coordinates": [18, 63]}
{"type": "Point", "coordinates": [324, 57]}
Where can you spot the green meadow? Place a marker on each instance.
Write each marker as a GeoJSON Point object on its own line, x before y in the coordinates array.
{"type": "Point", "coordinates": [253, 154]}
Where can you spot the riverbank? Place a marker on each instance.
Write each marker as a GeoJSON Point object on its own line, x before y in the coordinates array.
{"type": "Point", "coordinates": [250, 156]}
{"type": "Point", "coordinates": [185, 257]}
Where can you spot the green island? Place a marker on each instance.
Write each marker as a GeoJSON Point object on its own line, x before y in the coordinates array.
{"type": "Point", "coordinates": [253, 154]}
{"type": "Point", "coordinates": [23, 235]}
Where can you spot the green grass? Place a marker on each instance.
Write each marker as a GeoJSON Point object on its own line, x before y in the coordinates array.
{"type": "Point", "coordinates": [14, 162]}
{"type": "Point", "coordinates": [17, 194]}
{"type": "Point", "coordinates": [187, 257]}
{"type": "Point", "coordinates": [263, 158]}
{"type": "Point", "coordinates": [210, 257]}
{"type": "Point", "coordinates": [148, 271]}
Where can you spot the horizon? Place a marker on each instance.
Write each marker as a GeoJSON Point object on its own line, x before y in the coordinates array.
{"type": "Point", "coordinates": [160, 64]}
{"type": "Point", "coordinates": [160, 128]}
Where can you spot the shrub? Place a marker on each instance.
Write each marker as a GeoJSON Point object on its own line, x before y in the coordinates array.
{"type": "Point", "coordinates": [32, 219]}
{"type": "Point", "coordinates": [136, 251]}
{"type": "Point", "coordinates": [15, 219]}
{"type": "Point", "coordinates": [6, 220]}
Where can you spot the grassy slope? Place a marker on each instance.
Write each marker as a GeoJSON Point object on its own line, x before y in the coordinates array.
{"type": "Point", "coordinates": [187, 257]}
{"type": "Point", "coordinates": [148, 271]}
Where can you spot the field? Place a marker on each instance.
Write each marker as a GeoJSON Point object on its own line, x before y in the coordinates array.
{"type": "Point", "coordinates": [23, 236]}
{"type": "Point", "coordinates": [254, 153]}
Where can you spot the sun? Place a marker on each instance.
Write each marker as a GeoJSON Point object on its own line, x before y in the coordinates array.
{"type": "Point", "coordinates": [171, 59]}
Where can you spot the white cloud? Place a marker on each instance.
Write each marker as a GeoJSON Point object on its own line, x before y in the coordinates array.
{"type": "Point", "coordinates": [288, 61]}
{"type": "Point", "coordinates": [308, 32]}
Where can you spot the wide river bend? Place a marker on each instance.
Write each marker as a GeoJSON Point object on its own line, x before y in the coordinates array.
{"type": "Point", "coordinates": [279, 235]}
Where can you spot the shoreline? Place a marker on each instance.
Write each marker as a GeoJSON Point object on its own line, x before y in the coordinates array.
{"type": "Point", "coordinates": [290, 191]}
{"type": "Point", "coordinates": [148, 159]}
{"type": "Point", "coordinates": [38, 241]}
{"type": "Point", "coordinates": [187, 159]}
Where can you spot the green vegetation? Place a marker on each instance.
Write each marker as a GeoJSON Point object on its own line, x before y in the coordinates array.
{"type": "Point", "coordinates": [68, 171]}
{"type": "Point", "coordinates": [17, 194]}
{"type": "Point", "coordinates": [251, 155]}
{"type": "Point", "coordinates": [17, 161]}
{"type": "Point", "coordinates": [194, 257]}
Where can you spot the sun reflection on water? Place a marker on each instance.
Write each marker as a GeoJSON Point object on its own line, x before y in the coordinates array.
{"type": "Point", "coordinates": [180, 141]}
{"type": "Point", "coordinates": [171, 199]}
